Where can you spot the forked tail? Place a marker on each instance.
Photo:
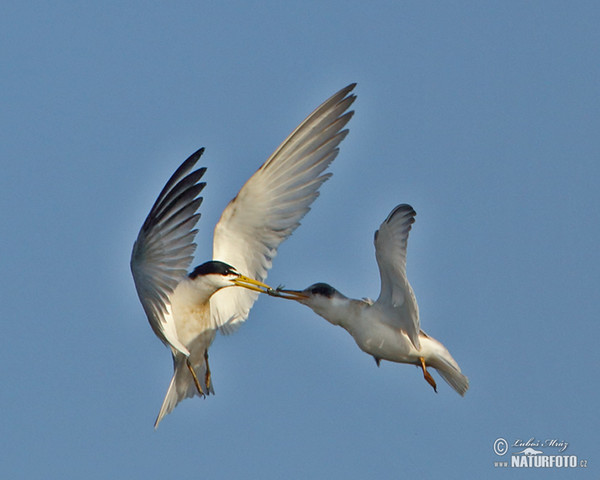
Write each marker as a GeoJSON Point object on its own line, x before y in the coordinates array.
{"type": "Point", "coordinates": [183, 384]}
{"type": "Point", "coordinates": [452, 374]}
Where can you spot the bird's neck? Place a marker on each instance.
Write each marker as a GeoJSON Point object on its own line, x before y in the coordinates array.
{"type": "Point", "coordinates": [194, 292]}
{"type": "Point", "coordinates": [342, 312]}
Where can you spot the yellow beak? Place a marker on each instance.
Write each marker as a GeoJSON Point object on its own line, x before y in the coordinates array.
{"type": "Point", "coordinates": [250, 284]}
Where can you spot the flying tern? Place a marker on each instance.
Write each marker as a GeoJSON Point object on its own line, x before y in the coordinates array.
{"type": "Point", "coordinates": [389, 328]}
{"type": "Point", "coordinates": [186, 309]}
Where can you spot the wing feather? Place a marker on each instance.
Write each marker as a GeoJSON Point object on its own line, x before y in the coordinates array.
{"type": "Point", "coordinates": [397, 297]}
{"type": "Point", "coordinates": [165, 246]}
{"type": "Point", "coordinates": [271, 204]}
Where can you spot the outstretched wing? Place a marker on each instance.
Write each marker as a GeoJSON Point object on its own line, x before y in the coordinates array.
{"type": "Point", "coordinates": [397, 298]}
{"type": "Point", "coordinates": [271, 204]}
{"type": "Point", "coordinates": [165, 246]}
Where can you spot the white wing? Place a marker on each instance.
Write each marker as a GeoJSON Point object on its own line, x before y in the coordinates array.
{"type": "Point", "coordinates": [271, 204]}
{"type": "Point", "coordinates": [397, 299]}
{"type": "Point", "coordinates": [165, 246]}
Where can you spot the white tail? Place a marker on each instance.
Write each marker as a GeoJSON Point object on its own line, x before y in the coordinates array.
{"type": "Point", "coordinates": [182, 385]}
{"type": "Point", "coordinates": [452, 375]}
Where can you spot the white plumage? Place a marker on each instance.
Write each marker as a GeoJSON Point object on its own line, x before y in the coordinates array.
{"type": "Point", "coordinates": [389, 328]}
{"type": "Point", "coordinates": [185, 311]}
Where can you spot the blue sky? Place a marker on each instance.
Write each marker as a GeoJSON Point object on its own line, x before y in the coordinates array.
{"type": "Point", "coordinates": [482, 115]}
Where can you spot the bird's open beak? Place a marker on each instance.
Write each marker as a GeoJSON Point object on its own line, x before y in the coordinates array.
{"type": "Point", "coordinates": [287, 294]}
{"type": "Point", "coordinates": [251, 284]}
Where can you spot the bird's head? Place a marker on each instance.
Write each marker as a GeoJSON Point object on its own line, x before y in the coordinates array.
{"type": "Point", "coordinates": [322, 298]}
{"type": "Point", "coordinates": [217, 275]}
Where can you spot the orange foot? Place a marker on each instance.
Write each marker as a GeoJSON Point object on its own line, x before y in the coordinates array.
{"type": "Point", "coordinates": [207, 374]}
{"type": "Point", "coordinates": [196, 382]}
{"type": "Point", "coordinates": [427, 375]}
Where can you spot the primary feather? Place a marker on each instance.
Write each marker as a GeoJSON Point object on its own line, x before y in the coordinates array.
{"type": "Point", "coordinates": [397, 297]}
{"type": "Point", "coordinates": [165, 246]}
{"type": "Point", "coordinates": [183, 310]}
{"type": "Point", "coordinates": [271, 204]}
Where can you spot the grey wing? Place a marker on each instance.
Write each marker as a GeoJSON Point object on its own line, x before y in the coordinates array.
{"type": "Point", "coordinates": [397, 298]}
{"type": "Point", "coordinates": [271, 204]}
{"type": "Point", "coordinates": [165, 246]}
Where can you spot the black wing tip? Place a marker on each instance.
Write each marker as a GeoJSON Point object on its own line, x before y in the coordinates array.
{"type": "Point", "coordinates": [189, 162]}
{"type": "Point", "coordinates": [342, 96]}
{"type": "Point", "coordinates": [348, 88]}
{"type": "Point", "coordinates": [182, 183]}
{"type": "Point", "coordinates": [404, 209]}
{"type": "Point", "coordinates": [198, 153]}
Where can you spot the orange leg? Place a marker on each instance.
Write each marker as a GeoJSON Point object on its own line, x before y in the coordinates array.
{"type": "Point", "coordinates": [207, 374]}
{"type": "Point", "coordinates": [196, 382]}
{"type": "Point", "coordinates": [427, 375]}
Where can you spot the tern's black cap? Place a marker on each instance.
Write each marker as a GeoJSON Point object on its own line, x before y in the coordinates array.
{"type": "Point", "coordinates": [213, 267]}
{"type": "Point", "coordinates": [322, 289]}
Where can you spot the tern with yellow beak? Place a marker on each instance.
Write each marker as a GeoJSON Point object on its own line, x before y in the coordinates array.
{"type": "Point", "coordinates": [389, 328]}
{"type": "Point", "coordinates": [185, 310]}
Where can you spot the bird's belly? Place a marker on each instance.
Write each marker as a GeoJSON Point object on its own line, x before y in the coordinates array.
{"type": "Point", "coordinates": [386, 343]}
{"type": "Point", "coordinates": [193, 325]}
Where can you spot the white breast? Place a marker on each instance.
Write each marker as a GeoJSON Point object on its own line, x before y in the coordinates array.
{"type": "Point", "coordinates": [191, 312]}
